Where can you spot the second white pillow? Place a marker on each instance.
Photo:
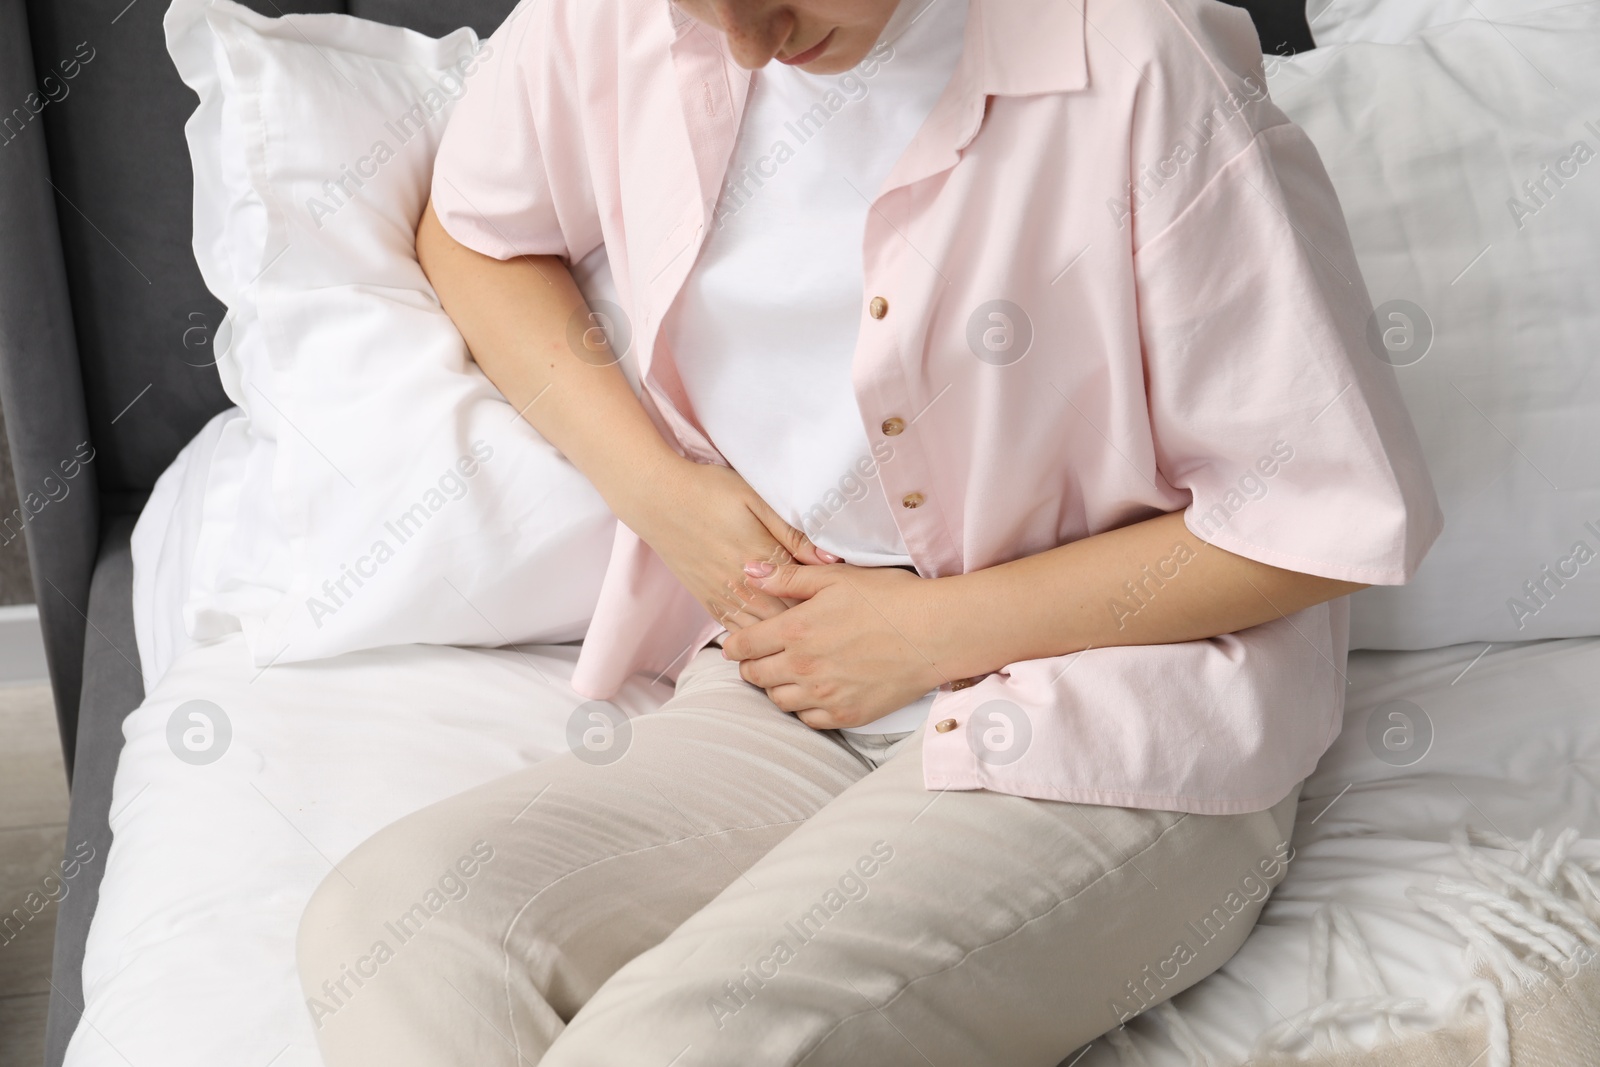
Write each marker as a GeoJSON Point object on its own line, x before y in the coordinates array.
{"type": "Point", "coordinates": [416, 504]}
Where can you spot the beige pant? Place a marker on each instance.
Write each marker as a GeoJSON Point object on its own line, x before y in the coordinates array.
{"type": "Point", "coordinates": [738, 889]}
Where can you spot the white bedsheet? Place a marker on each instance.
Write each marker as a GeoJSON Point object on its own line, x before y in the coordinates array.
{"type": "Point", "coordinates": [190, 958]}
{"type": "Point", "coordinates": [1515, 749]}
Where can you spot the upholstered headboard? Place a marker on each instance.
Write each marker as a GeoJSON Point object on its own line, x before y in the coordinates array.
{"type": "Point", "coordinates": [1281, 25]}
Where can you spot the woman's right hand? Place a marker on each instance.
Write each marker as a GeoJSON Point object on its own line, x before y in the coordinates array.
{"type": "Point", "coordinates": [706, 523]}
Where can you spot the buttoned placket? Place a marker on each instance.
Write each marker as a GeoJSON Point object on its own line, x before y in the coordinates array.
{"type": "Point", "coordinates": [890, 407]}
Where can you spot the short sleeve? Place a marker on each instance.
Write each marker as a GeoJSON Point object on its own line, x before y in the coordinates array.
{"type": "Point", "coordinates": [1267, 402]}
{"type": "Point", "coordinates": [511, 177]}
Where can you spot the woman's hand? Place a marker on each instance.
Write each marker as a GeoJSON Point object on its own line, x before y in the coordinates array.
{"type": "Point", "coordinates": [705, 523]}
{"type": "Point", "coordinates": [859, 643]}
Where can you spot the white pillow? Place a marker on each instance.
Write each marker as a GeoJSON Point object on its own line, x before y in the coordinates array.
{"type": "Point", "coordinates": [165, 546]}
{"type": "Point", "coordinates": [207, 549]}
{"type": "Point", "coordinates": [1429, 144]}
{"type": "Point", "coordinates": [1391, 21]}
{"type": "Point", "coordinates": [412, 503]}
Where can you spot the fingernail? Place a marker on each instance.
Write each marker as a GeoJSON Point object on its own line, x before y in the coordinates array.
{"type": "Point", "coordinates": [827, 557]}
{"type": "Point", "coordinates": [758, 568]}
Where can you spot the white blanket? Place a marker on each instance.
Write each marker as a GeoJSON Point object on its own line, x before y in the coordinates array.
{"type": "Point", "coordinates": [1515, 750]}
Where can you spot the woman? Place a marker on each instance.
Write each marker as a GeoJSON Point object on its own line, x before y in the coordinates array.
{"type": "Point", "coordinates": [1006, 419]}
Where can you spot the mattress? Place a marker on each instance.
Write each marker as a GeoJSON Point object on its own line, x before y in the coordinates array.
{"type": "Point", "coordinates": [224, 825]}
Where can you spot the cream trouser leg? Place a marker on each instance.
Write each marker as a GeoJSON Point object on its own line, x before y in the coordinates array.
{"type": "Point", "coordinates": [741, 890]}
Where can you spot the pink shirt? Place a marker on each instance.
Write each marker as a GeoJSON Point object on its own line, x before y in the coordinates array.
{"type": "Point", "coordinates": [1114, 282]}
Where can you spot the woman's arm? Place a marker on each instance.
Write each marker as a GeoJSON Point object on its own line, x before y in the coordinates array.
{"type": "Point", "coordinates": [513, 315]}
{"type": "Point", "coordinates": [703, 520]}
{"type": "Point", "coordinates": [869, 640]}
{"type": "Point", "coordinates": [1153, 582]}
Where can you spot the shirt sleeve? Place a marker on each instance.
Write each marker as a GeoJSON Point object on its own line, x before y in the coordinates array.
{"type": "Point", "coordinates": [511, 176]}
{"type": "Point", "coordinates": [1267, 400]}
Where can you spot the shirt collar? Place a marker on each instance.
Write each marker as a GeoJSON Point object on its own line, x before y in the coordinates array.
{"type": "Point", "coordinates": [1025, 47]}
{"type": "Point", "coordinates": [1014, 47]}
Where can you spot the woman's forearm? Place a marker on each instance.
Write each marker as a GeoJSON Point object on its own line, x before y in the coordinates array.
{"type": "Point", "coordinates": [514, 315]}
{"type": "Point", "coordinates": [1153, 582]}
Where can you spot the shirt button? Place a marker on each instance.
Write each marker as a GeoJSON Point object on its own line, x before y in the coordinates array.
{"type": "Point", "coordinates": [878, 308]}
{"type": "Point", "coordinates": [893, 426]}
{"type": "Point", "coordinates": [945, 726]}
{"type": "Point", "coordinates": [912, 500]}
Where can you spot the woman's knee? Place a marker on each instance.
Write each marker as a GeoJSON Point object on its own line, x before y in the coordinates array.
{"type": "Point", "coordinates": [411, 878]}
{"type": "Point", "coordinates": [1251, 855]}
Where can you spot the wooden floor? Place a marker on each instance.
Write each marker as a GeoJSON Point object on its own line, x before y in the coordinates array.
{"type": "Point", "coordinates": [33, 830]}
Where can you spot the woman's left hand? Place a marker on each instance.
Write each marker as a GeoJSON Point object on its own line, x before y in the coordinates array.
{"type": "Point", "coordinates": [860, 644]}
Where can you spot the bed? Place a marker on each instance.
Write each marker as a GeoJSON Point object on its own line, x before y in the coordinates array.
{"type": "Point", "coordinates": [210, 871]}
{"type": "Point", "coordinates": [1446, 848]}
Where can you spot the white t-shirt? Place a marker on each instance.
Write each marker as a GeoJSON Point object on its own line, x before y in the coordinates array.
{"type": "Point", "coordinates": [764, 331]}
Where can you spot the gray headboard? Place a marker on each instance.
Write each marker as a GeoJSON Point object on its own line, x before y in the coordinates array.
{"type": "Point", "coordinates": [105, 325]}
